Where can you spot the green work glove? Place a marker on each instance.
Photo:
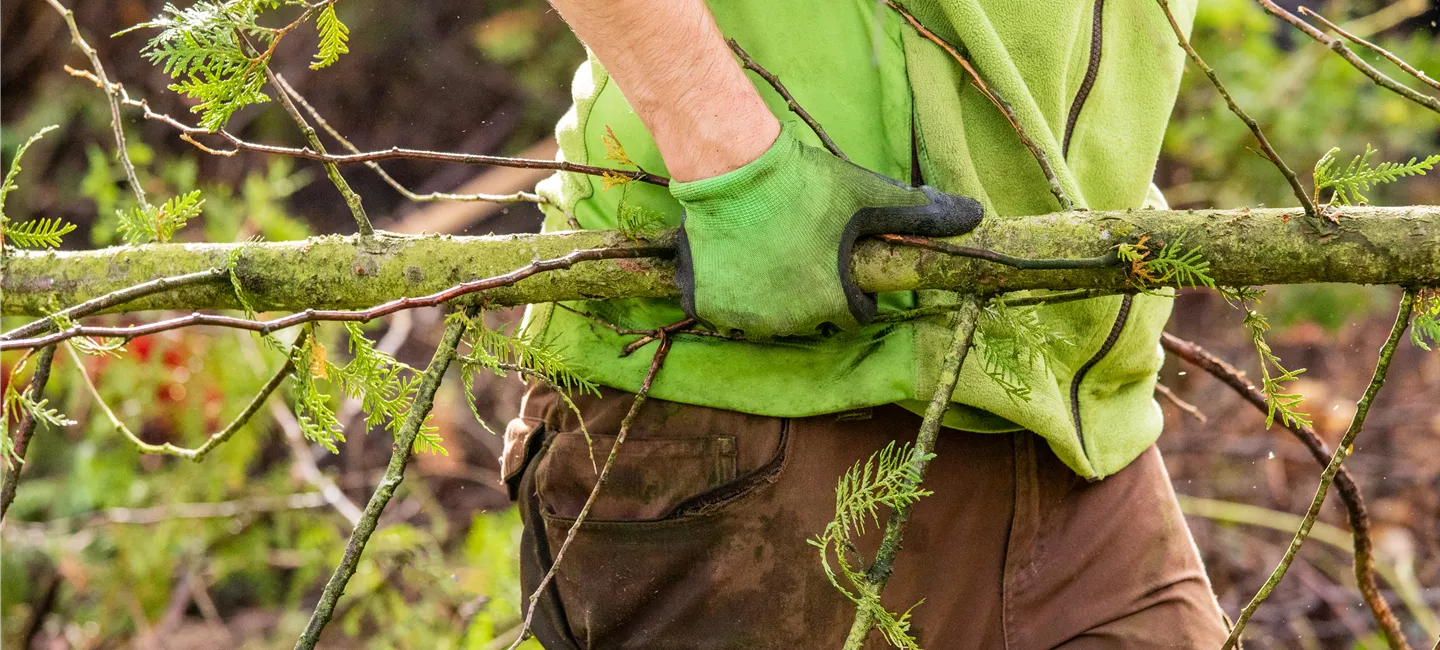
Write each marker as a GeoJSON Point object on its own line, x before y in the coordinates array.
{"type": "Point", "coordinates": [765, 249]}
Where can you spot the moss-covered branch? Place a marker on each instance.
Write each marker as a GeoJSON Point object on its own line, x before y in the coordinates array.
{"type": "Point", "coordinates": [1244, 247]}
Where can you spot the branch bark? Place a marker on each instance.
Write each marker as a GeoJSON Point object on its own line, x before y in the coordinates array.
{"type": "Point", "coordinates": [1397, 246]}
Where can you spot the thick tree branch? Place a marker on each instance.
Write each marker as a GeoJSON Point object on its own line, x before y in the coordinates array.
{"type": "Point", "coordinates": [1397, 246]}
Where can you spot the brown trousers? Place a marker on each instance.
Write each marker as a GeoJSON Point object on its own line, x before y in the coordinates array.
{"type": "Point", "coordinates": [698, 538]}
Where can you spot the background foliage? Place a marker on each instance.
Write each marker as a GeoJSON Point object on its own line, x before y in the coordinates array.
{"type": "Point", "coordinates": [493, 77]}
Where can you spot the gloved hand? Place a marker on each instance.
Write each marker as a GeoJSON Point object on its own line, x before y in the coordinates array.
{"type": "Point", "coordinates": [765, 248]}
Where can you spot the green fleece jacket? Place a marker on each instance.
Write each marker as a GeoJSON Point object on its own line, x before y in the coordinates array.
{"type": "Point", "coordinates": [1093, 83]}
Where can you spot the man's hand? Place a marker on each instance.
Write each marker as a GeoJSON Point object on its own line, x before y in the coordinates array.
{"type": "Point", "coordinates": [769, 221]}
{"type": "Point", "coordinates": [765, 249]}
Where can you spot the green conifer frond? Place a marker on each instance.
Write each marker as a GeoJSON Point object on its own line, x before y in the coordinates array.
{"type": "Point", "coordinates": [377, 380]}
{"type": "Point", "coordinates": [202, 45]}
{"type": "Point", "coordinates": [1427, 319]}
{"type": "Point", "coordinates": [428, 441]}
{"type": "Point", "coordinates": [887, 479]}
{"type": "Point", "coordinates": [1279, 402]}
{"type": "Point", "coordinates": [1348, 185]}
{"type": "Point", "coordinates": [1165, 264]}
{"type": "Point", "coordinates": [312, 405]}
{"type": "Point", "coordinates": [498, 351]}
{"type": "Point", "coordinates": [146, 224]}
{"type": "Point", "coordinates": [1011, 341]}
{"type": "Point", "coordinates": [36, 232]}
{"type": "Point", "coordinates": [333, 38]}
{"type": "Point", "coordinates": [636, 222]}
{"type": "Point", "coordinates": [44, 231]}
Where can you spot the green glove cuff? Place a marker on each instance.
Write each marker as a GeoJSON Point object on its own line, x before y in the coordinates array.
{"type": "Point", "coordinates": [741, 197]}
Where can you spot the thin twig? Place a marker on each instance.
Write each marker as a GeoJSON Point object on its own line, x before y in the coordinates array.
{"type": "Point", "coordinates": [1342, 450]}
{"type": "Point", "coordinates": [1005, 108]}
{"type": "Point", "coordinates": [655, 364]}
{"type": "Point", "coordinates": [115, 298]}
{"type": "Point", "coordinates": [1295, 187]}
{"type": "Point", "coordinates": [1018, 301]}
{"type": "Point", "coordinates": [879, 572]}
{"type": "Point", "coordinates": [313, 315]}
{"type": "Point", "coordinates": [1104, 261]}
{"type": "Point", "coordinates": [679, 328]}
{"type": "Point", "coordinates": [1339, 47]}
{"type": "Point", "coordinates": [403, 448]}
{"type": "Point", "coordinates": [166, 449]}
{"type": "Point", "coordinates": [112, 97]}
{"type": "Point", "coordinates": [357, 206]}
{"type": "Point", "coordinates": [518, 197]}
{"type": "Point", "coordinates": [795, 107]}
{"type": "Point", "coordinates": [25, 430]}
{"type": "Point", "coordinates": [1399, 62]}
{"type": "Point", "coordinates": [1168, 394]}
{"type": "Point", "coordinates": [1350, 495]}
{"type": "Point", "coordinates": [189, 134]}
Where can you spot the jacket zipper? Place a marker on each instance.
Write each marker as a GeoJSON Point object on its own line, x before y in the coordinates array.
{"type": "Point", "coordinates": [1105, 347]}
{"type": "Point", "coordinates": [1092, 70]}
{"type": "Point", "coordinates": [1097, 41]}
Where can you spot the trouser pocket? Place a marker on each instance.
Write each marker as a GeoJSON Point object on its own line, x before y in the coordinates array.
{"type": "Point", "coordinates": [658, 556]}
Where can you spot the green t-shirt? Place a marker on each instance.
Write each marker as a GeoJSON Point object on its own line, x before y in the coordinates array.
{"type": "Point", "coordinates": [1092, 81]}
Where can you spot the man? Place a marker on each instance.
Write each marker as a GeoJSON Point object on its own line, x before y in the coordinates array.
{"type": "Point", "coordinates": [698, 540]}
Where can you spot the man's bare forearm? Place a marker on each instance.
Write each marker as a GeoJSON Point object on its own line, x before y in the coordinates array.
{"type": "Point", "coordinates": [676, 71]}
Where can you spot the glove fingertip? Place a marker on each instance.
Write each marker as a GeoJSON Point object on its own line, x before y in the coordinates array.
{"type": "Point", "coordinates": [949, 215]}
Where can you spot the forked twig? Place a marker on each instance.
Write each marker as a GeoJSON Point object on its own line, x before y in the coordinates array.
{"type": "Point", "coordinates": [1295, 186]}
{"type": "Point", "coordinates": [1338, 46]}
{"type": "Point", "coordinates": [878, 574]}
{"type": "Point", "coordinates": [1355, 511]}
{"type": "Point", "coordinates": [401, 451]}
{"type": "Point", "coordinates": [1399, 62]}
{"type": "Point", "coordinates": [1342, 450]}
{"type": "Point", "coordinates": [212, 441]}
